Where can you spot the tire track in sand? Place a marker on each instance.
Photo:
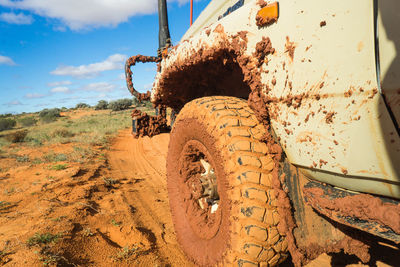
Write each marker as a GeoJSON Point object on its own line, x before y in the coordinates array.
{"type": "Point", "coordinates": [142, 162]}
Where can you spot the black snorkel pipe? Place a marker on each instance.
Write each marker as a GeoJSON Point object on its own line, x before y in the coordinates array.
{"type": "Point", "coordinates": [164, 38]}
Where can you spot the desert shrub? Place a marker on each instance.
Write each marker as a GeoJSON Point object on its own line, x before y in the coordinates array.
{"type": "Point", "coordinates": [24, 158]}
{"type": "Point", "coordinates": [82, 105]}
{"type": "Point", "coordinates": [52, 157]}
{"type": "Point", "coordinates": [49, 115]}
{"type": "Point", "coordinates": [48, 118]}
{"type": "Point", "coordinates": [59, 167]}
{"type": "Point", "coordinates": [126, 252]}
{"type": "Point", "coordinates": [102, 104]}
{"type": "Point", "coordinates": [6, 124]}
{"type": "Point", "coordinates": [62, 133]}
{"type": "Point", "coordinates": [55, 112]}
{"type": "Point", "coordinates": [17, 136]}
{"type": "Point", "coordinates": [135, 102]}
{"type": "Point", "coordinates": [37, 138]}
{"type": "Point", "coordinates": [34, 141]}
{"type": "Point", "coordinates": [63, 109]}
{"type": "Point", "coordinates": [120, 104]}
{"type": "Point", "coordinates": [148, 104]}
{"type": "Point", "coordinates": [37, 161]}
{"type": "Point", "coordinates": [7, 115]}
{"type": "Point", "coordinates": [46, 238]}
{"type": "Point", "coordinates": [28, 121]}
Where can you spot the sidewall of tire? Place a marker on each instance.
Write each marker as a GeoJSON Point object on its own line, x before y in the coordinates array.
{"type": "Point", "coordinates": [203, 252]}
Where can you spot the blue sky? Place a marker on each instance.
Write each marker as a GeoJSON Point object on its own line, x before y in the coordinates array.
{"type": "Point", "coordinates": [62, 52]}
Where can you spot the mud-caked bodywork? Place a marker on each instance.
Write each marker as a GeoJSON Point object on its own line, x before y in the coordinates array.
{"type": "Point", "coordinates": [312, 74]}
{"type": "Point", "coordinates": [322, 84]}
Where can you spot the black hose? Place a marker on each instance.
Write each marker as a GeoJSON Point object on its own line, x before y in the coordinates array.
{"type": "Point", "coordinates": [164, 38]}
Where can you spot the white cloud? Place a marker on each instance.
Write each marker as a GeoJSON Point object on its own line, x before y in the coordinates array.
{"type": "Point", "coordinates": [60, 89]}
{"type": "Point", "coordinates": [14, 103]}
{"type": "Point", "coordinates": [81, 14]}
{"type": "Point", "coordinates": [60, 28]}
{"type": "Point", "coordinates": [61, 83]}
{"type": "Point", "coordinates": [113, 62]}
{"type": "Point", "coordinates": [34, 95]}
{"type": "Point", "coordinates": [99, 87]}
{"type": "Point", "coordinates": [152, 68]}
{"type": "Point", "coordinates": [6, 61]}
{"type": "Point", "coordinates": [148, 86]}
{"type": "Point", "coordinates": [14, 18]}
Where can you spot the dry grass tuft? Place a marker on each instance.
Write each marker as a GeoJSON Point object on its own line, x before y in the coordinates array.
{"type": "Point", "coordinates": [17, 137]}
{"type": "Point", "coordinates": [62, 133]}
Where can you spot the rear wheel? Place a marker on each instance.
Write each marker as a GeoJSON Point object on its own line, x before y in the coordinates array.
{"type": "Point", "coordinates": [219, 184]}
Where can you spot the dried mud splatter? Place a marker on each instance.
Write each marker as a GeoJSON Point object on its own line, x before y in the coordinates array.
{"type": "Point", "coordinates": [263, 49]}
{"type": "Point", "coordinates": [144, 96]}
{"type": "Point", "coordinates": [128, 72]}
{"type": "Point", "coordinates": [329, 117]}
{"type": "Point", "coordinates": [290, 47]}
{"type": "Point", "coordinates": [147, 125]}
{"type": "Point", "coordinates": [387, 214]}
{"type": "Point", "coordinates": [262, 3]}
{"type": "Point", "coordinates": [262, 21]}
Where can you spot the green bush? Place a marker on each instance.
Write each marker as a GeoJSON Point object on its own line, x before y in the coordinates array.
{"type": "Point", "coordinates": [135, 102]}
{"type": "Point", "coordinates": [18, 136]}
{"type": "Point", "coordinates": [82, 105]}
{"type": "Point", "coordinates": [24, 158]}
{"type": "Point", "coordinates": [7, 115]}
{"type": "Point", "coordinates": [6, 124]}
{"type": "Point", "coordinates": [48, 118]}
{"type": "Point", "coordinates": [53, 112]}
{"type": "Point", "coordinates": [102, 104]}
{"type": "Point", "coordinates": [28, 121]}
{"type": "Point", "coordinates": [59, 167]}
{"type": "Point", "coordinates": [49, 115]}
{"type": "Point", "coordinates": [52, 157]}
{"type": "Point", "coordinates": [120, 104]}
{"type": "Point", "coordinates": [148, 104]}
{"type": "Point", "coordinates": [46, 238]}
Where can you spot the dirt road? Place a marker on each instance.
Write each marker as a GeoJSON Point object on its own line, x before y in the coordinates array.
{"type": "Point", "coordinates": [144, 160]}
{"type": "Point", "coordinates": [112, 210]}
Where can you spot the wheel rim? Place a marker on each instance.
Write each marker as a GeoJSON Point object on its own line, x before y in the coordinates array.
{"type": "Point", "coordinates": [199, 190]}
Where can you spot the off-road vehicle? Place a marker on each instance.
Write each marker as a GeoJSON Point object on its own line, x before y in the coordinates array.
{"type": "Point", "coordinates": [286, 139]}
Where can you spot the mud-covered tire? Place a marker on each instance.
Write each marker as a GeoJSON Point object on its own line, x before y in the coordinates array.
{"type": "Point", "coordinates": [244, 230]}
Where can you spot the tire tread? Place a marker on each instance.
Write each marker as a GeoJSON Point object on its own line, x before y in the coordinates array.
{"type": "Point", "coordinates": [256, 240]}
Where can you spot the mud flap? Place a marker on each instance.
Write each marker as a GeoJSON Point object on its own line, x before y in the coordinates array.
{"type": "Point", "coordinates": [361, 211]}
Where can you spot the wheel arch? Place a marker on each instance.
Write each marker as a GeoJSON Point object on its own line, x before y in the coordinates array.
{"type": "Point", "coordinates": [215, 72]}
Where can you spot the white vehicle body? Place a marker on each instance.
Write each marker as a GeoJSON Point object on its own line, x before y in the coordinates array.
{"type": "Point", "coordinates": [342, 133]}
